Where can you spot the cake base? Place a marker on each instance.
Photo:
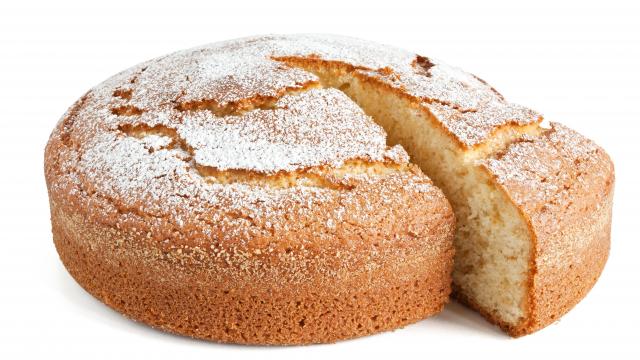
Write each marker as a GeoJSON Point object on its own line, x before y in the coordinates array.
{"type": "Point", "coordinates": [198, 303]}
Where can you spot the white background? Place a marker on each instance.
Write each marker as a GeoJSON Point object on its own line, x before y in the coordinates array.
{"type": "Point", "coordinates": [578, 63]}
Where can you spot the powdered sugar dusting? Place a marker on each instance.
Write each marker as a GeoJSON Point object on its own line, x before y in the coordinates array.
{"type": "Point", "coordinates": [240, 69]}
{"type": "Point", "coordinates": [317, 127]}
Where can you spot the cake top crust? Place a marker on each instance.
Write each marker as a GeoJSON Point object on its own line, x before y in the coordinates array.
{"type": "Point", "coordinates": [236, 75]}
{"type": "Point", "coordinates": [231, 128]}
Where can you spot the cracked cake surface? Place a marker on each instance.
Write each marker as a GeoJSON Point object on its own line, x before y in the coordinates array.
{"type": "Point", "coordinates": [232, 106]}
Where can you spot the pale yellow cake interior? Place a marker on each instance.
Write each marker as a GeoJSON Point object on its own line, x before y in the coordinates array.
{"type": "Point", "coordinates": [492, 240]}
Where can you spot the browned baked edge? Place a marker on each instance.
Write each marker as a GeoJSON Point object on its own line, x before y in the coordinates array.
{"type": "Point", "coordinates": [569, 231]}
{"type": "Point", "coordinates": [554, 290]}
{"type": "Point", "coordinates": [549, 301]}
{"type": "Point", "coordinates": [146, 286]}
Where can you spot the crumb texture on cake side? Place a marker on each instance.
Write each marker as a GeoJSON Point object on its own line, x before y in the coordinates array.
{"type": "Point", "coordinates": [258, 191]}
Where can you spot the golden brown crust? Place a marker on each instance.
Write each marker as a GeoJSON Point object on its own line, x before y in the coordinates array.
{"type": "Point", "coordinates": [203, 296]}
{"type": "Point", "coordinates": [562, 184]}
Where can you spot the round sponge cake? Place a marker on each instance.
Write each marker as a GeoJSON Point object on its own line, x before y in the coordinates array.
{"type": "Point", "coordinates": [260, 191]}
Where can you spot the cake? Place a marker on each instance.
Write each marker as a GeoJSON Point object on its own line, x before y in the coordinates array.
{"type": "Point", "coordinates": [285, 189]}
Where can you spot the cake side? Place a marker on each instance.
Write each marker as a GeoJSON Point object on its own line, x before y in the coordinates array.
{"type": "Point", "coordinates": [192, 293]}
